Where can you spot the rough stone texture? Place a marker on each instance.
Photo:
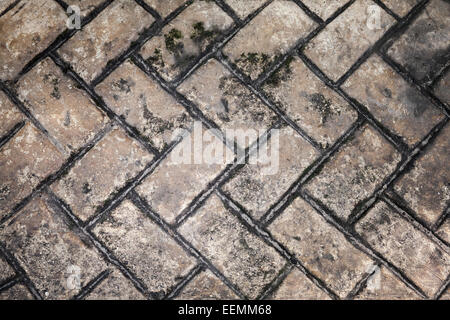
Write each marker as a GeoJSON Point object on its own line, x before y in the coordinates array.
{"type": "Point", "coordinates": [144, 248]}
{"type": "Point", "coordinates": [6, 270]}
{"type": "Point", "coordinates": [206, 286]}
{"type": "Point", "coordinates": [66, 112]}
{"type": "Point", "coordinates": [383, 285]}
{"type": "Point", "coordinates": [225, 100]}
{"type": "Point", "coordinates": [86, 6]}
{"type": "Point", "coordinates": [10, 116]}
{"type": "Point", "coordinates": [91, 48]}
{"type": "Point", "coordinates": [18, 292]}
{"type": "Point", "coordinates": [144, 104]}
{"type": "Point", "coordinates": [411, 251]}
{"type": "Point", "coordinates": [393, 102]}
{"type": "Point", "coordinates": [244, 8]}
{"type": "Point", "coordinates": [5, 4]}
{"type": "Point", "coordinates": [25, 160]}
{"type": "Point", "coordinates": [257, 187]}
{"type": "Point", "coordinates": [276, 29]}
{"type": "Point", "coordinates": [115, 287]}
{"type": "Point", "coordinates": [426, 188]}
{"type": "Point", "coordinates": [320, 247]}
{"type": "Point", "coordinates": [20, 41]}
{"type": "Point", "coordinates": [355, 172]}
{"type": "Point", "coordinates": [321, 112]}
{"type": "Point", "coordinates": [423, 48]}
{"type": "Point", "coordinates": [241, 256]}
{"type": "Point", "coordinates": [400, 8]}
{"type": "Point", "coordinates": [442, 91]}
{"type": "Point", "coordinates": [324, 8]}
{"type": "Point", "coordinates": [93, 179]}
{"type": "Point", "coordinates": [174, 184]}
{"type": "Point", "coordinates": [446, 295]}
{"type": "Point", "coordinates": [444, 231]}
{"type": "Point", "coordinates": [184, 38]}
{"type": "Point", "coordinates": [164, 7]}
{"type": "Point", "coordinates": [338, 47]}
{"type": "Point", "coordinates": [297, 286]}
{"type": "Point", "coordinates": [47, 246]}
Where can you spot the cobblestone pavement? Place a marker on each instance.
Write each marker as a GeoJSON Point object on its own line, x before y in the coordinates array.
{"type": "Point", "coordinates": [91, 206]}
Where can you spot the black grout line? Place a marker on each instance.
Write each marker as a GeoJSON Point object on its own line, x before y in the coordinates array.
{"type": "Point", "coordinates": [8, 8]}
{"type": "Point", "coordinates": [10, 282]}
{"type": "Point", "coordinates": [11, 133]}
{"type": "Point", "coordinates": [362, 283]}
{"type": "Point", "coordinates": [91, 285]}
{"type": "Point", "coordinates": [228, 10]}
{"type": "Point", "coordinates": [196, 270]}
{"type": "Point", "coordinates": [442, 219]}
{"type": "Point", "coordinates": [445, 286]}
{"type": "Point", "coordinates": [62, 4]}
{"type": "Point", "coordinates": [276, 283]}
{"type": "Point", "coordinates": [387, 9]}
{"type": "Point", "coordinates": [149, 9]}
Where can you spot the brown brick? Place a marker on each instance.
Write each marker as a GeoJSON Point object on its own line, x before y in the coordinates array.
{"type": "Point", "coordinates": [241, 256]}
{"type": "Point", "coordinates": [273, 32]}
{"type": "Point", "coordinates": [343, 41]}
{"type": "Point", "coordinates": [244, 8]}
{"type": "Point", "coordinates": [354, 173]}
{"type": "Point", "coordinates": [393, 102]}
{"type": "Point", "coordinates": [102, 171]}
{"type": "Point", "coordinates": [9, 115]}
{"type": "Point", "coordinates": [143, 104]}
{"type": "Point", "coordinates": [144, 248]}
{"type": "Point", "coordinates": [46, 245]}
{"type": "Point", "coordinates": [320, 247]}
{"type": "Point", "coordinates": [64, 110]}
{"type": "Point", "coordinates": [27, 29]}
{"type": "Point", "coordinates": [411, 251]}
{"type": "Point", "coordinates": [91, 48]}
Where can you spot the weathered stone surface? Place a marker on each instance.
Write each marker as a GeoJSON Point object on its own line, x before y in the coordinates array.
{"type": "Point", "coordinates": [91, 48]}
{"type": "Point", "coordinates": [343, 41]}
{"type": "Point", "coordinates": [115, 287]}
{"type": "Point", "coordinates": [274, 31]}
{"type": "Point", "coordinates": [324, 8]}
{"type": "Point", "coordinates": [50, 250]}
{"type": "Point", "coordinates": [320, 247]}
{"type": "Point", "coordinates": [9, 115]}
{"type": "Point", "coordinates": [444, 231]}
{"type": "Point", "coordinates": [317, 109]}
{"type": "Point", "coordinates": [5, 4]}
{"type": "Point", "coordinates": [225, 100]}
{"type": "Point", "coordinates": [18, 292]}
{"type": "Point", "coordinates": [244, 8]}
{"type": "Point", "coordinates": [401, 8]}
{"type": "Point", "coordinates": [384, 285]}
{"type": "Point", "coordinates": [446, 295]}
{"type": "Point", "coordinates": [65, 111]}
{"type": "Point", "coordinates": [241, 256]}
{"type": "Point", "coordinates": [423, 48]}
{"type": "Point", "coordinates": [426, 188]}
{"type": "Point", "coordinates": [183, 39]}
{"type": "Point", "coordinates": [206, 286]}
{"type": "Point", "coordinates": [411, 251]}
{"type": "Point", "coordinates": [6, 270]}
{"type": "Point", "coordinates": [86, 6]}
{"type": "Point", "coordinates": [130, 93]}
{"type": "Point", "coordinates": [442, 91]}
{"type": "Point", "coordinates": [393, 102]}
{"type": "Point", "coordinates": [27, 29]}
{"type": "Point", "coordinates": [103, 170]}
{"type": "Point", "coordinates": [177, 181]}
{"type": "Point", "coordinates": [25, 160]}
{"type": "Point", "coordinates": [297, 286]}
{"type": "Point", "coordinates": [144, 248]}
{"type": "Point", "coordinates": [354, 173]}
{"type": "Point", "coordinates": [258, 186]}
{"type": "Point", "coordinates": [164, 7]}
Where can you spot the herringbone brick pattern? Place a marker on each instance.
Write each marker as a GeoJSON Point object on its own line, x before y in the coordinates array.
{"type": "Point", "coordinates": [359, 208]}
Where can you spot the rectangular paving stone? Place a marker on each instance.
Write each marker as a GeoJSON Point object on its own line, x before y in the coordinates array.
{"type": "Point", "coordinates": [406, 247]}
{"type": "Point", "coordinates": [142, 102]}
{"type": "Point", "coordinates": [354, 173]}
{"type": "Point", "coordinates": [184, 174]}
{"type": "Point", "coordinates": [51, 252]}
{"type": "Point", "coordinates": [65, 111]}
{"type": "Point", "coordinates": [164, 7]}
{"type": "Point", "coordinates": [206, 286]}
{"type": "Point", "coordinates": [258, 186]}
{"type": "Point", "coordinates": [240, 255]}
{"type": "Point", "coordinates": [25, 160]}
{"type": "Point", "coordinates": [225, 100]}
{"type": "Point", "coordinates": [324, 8]}
{"type": "Point", "coordinates": [144, 248]}
{"type": "Point", "coordinates": [393, 102]}
{"type": "Point", "coordinates": [27, 29]}
{"type": "Point", "coordinates": [423, 48]}
{"type": "Point", "coordinates": [244, 8]}
{"type": "Point", "coordinates": [426, 187]}
{"type": "Point", "coordinates": [91, 48]}
{"type": "Point", "coordinates": [401, 8]}
{"type": "Point", "coordinates": [10, 115]}
{"type": "Point", "coordinates": [18, 292]}
{"type": "Point", "coordinates": [102, 171]}
{"type": "Point", "coordinates": [336, 48]}
{"type": "Point", "coordinates": [184, 38]}
{"type": "Point", "coordinates": [320, 247]}
{"type": "Point", "coordinates": [115, 287]}
{"type": "Point", "coordinates": [271, 33]}
{"type": "Point", "coordinates": [321, 112]}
